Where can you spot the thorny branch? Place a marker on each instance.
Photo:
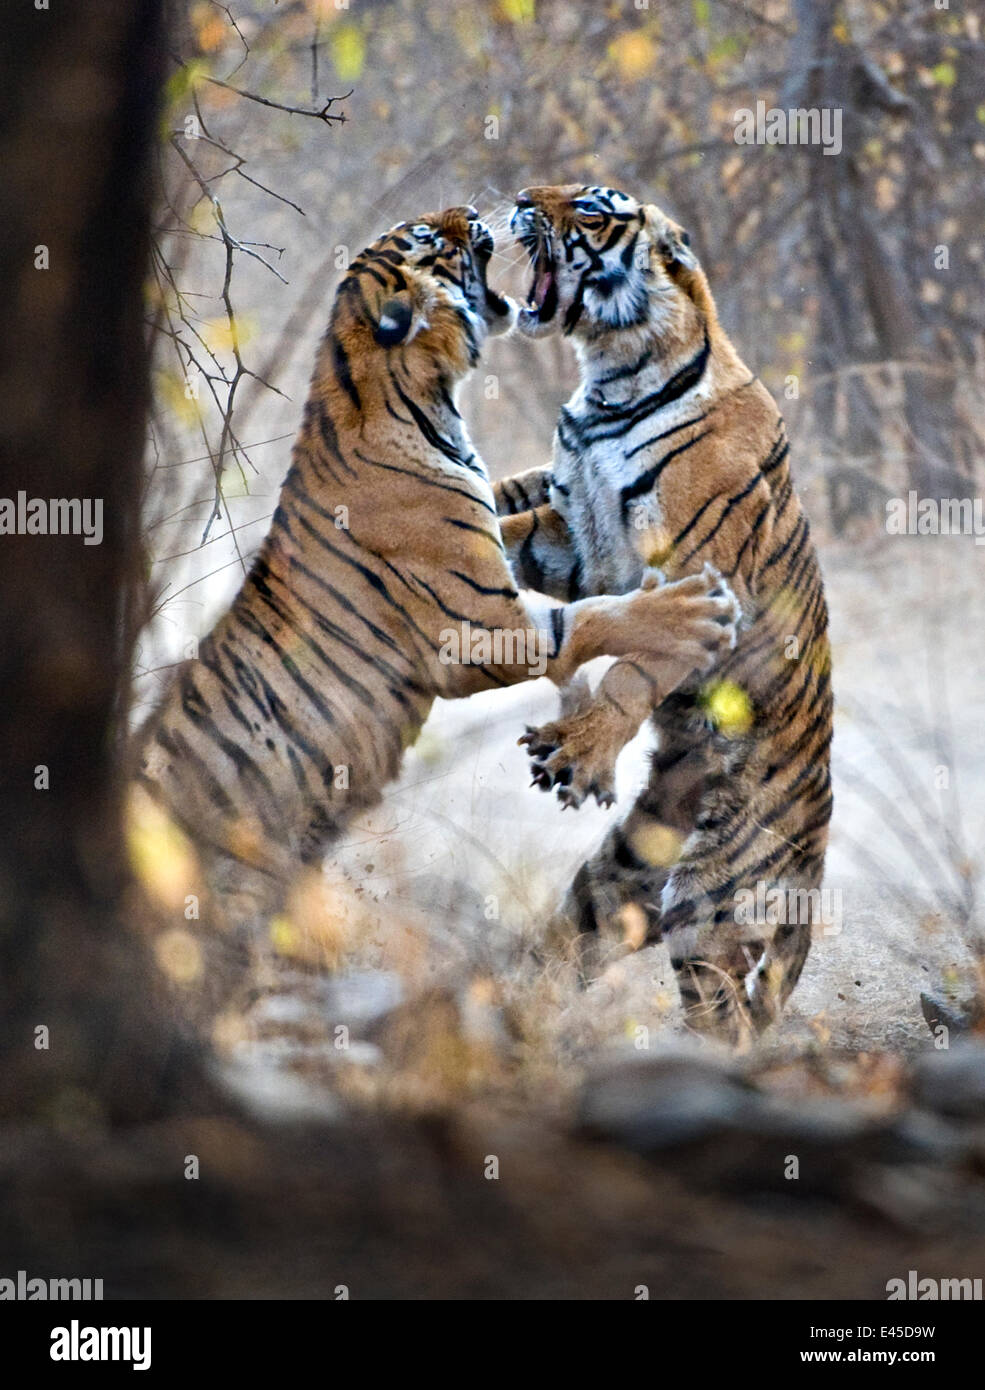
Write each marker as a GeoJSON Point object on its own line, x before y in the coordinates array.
{"type": "Point", "coordinates": [326, 113]}
{"type": "Point", "coordinates": [175, 319]}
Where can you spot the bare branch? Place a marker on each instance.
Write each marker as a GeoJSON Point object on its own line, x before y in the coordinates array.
{"type": "Point", "coordinates": [326, 114]}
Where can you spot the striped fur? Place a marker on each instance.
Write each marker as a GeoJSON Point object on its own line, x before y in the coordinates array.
{"type": "Point", "coordinates": [305, 694]}
{"type": "Point", "coordinates": [671, 453]}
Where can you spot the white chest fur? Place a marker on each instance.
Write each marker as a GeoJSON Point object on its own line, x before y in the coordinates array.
{"type": "Point", "coordinates": [591, 479]}
{"type": "Point", "coordinates": [603, 461]}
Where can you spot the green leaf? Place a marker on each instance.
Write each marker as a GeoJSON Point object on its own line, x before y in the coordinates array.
{"type": "Point", "coordinates": [348, 52]}
{"type": "Point", "coordinates": [731, 46]}
{"type": "Point", "coordinates": [519, 11]}
{"type": "Point", "coordinates": [183, 79]}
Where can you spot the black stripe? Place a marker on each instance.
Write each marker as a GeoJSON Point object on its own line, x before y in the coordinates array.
{"type": "Point", "coordinates": [731, 504]}
{"type": "Point", "coordinates": [800, 528]}
{"type": "Point", "coordinates": [425, 481]}
{"type": "Point", "coordinates": [448, 612]}
{"type": "Point", "coordinates": [683, 380]}
{"type": "Point", "coordinates": [776, 456]}
{"type": "Point", "coordinates": [471, 526]}
{"type": "Point", "coordinates": [574, 582]}
{"type": "Point", "coordinates": [656, 438]}
{"type": "Point", "coordinates": [715, 497]}
{"type": "Point", "coordinates": [645, 481]}
{"type": "Point", "coordinates": [279, 711]}
{"type": "Point", "coordinates": [630, 369]}
{"type": "Point", "coordinates": [373, 580]}
{"type": "Point", "coordinates": [330, 438]}
{"type": "Point", "coordinates": [528, 568]}
{"type": "Point", "coordinates": [177, 746]}
{"type": "Point", "coordinates": [753, 529]}
{"type": "Point", "coordinates": [497, 591]}
{"type": "Point", "coordinates": [427, 428]}
{"type": "Point", "coordinates": [343, 373]}
{"type": "Point", "coordinates": [397, 684]}
{"type": "Point", "coordinates": [246, 768]}
{"type": "Point", "coordinates": [298, 772]}
{"type": "Point", "coordinates": [255, 628]}
{"type": "Point", "coordinates": [347, 606]}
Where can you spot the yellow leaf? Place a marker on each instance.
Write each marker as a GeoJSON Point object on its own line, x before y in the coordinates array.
{"type": "Point", "coordinates": [202, 217]}
{"type": "Point", "coordinates": [348, 52]}
{"type": "Point", "coordinates": [211, 30]}
{"type": "Point", "coordinates": [659, 845]}
{"type": "Point", "coordinates": [179, 956]}
{"type": "Point", "coordinates": [518, 11]}
{"type": "Point", "coordinates": [729, 708]}
{"type": "Point", "coordinates": [160, 853]}
{"type": "Point", "coordinates": [222, 336]}
{"type": "Point", "coordinates": [285, 937]}
{"type": "Point", "coordinates": [885, 193]}
{"type": "Point", "coordinates": [173, 392]}
{"type": "Point", "coordinates": [633, 54]}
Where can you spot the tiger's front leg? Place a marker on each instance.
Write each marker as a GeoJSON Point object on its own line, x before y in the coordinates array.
{"type": "Point", "coordinates": [541, 552]}
{"type": "Point", "coordinates": [576, 754]}
{"type": "Point", "coordinates": [522, 492]}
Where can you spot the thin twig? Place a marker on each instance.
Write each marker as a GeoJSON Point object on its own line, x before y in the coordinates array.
{"type": "Point", "coordinates": [325, 114]}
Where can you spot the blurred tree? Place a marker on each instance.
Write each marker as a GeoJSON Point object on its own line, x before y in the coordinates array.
{"type": "Point", "coordinates": [76, 134]}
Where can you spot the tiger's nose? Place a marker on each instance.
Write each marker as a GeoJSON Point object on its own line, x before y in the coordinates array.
{"type": "Point", "coordinates": [524, 212]}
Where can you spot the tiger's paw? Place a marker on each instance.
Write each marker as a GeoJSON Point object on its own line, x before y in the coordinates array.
{"type": "Point", "coordinates": [697, 620]}
{"type": "Point", "coordinates": [577, 754]}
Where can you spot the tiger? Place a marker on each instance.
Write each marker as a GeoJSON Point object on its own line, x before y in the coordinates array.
{"type": "Point", "coordinates": [384, 552]}
{"type": "Point", "coordinates": [669, 454]}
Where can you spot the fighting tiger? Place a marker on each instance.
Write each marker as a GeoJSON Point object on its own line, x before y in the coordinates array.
{"type": "Point", "coordinates": [296, 712]}
{"type": "Point", "coordinates": [671, 453]}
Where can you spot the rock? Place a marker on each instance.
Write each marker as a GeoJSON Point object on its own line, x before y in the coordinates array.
{"type": "Point", "coordinates": [959, 1018]}
{"type": "Point", "coordinates": [660, 1102]}
{"type": "Point", "coordinates": [952, 1082]}
{"type": "Point", "coordinates": [357, 998]}
{"type": "Point", "coordinates": [278, 1095]}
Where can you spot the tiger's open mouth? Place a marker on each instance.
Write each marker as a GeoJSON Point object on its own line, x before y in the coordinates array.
{"type": "Point", "coordinates": [534, 234]}
{"type": "Point", "coordinates": [542, 298]}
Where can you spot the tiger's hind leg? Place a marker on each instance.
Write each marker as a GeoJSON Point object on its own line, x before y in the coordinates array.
{"type": "Point", "coordinates": [707, 840]}
{"type": "Point", "coordinates": [739, 908]}
{"type": "Point", "coordinates": [614, 900]}
{"type": "Point", "coordinates": [771, 981]}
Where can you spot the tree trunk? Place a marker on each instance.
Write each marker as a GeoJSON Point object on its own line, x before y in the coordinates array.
{"type": "Point", "coordinates": [868, 312]}
{"type": "Point", "coordinates": [78, 119]}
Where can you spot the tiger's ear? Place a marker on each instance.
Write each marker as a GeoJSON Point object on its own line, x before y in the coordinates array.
{"type": "Point", "coordinates": [394, 321]}
{"type": "Point", "coordinates": [672, 242]}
